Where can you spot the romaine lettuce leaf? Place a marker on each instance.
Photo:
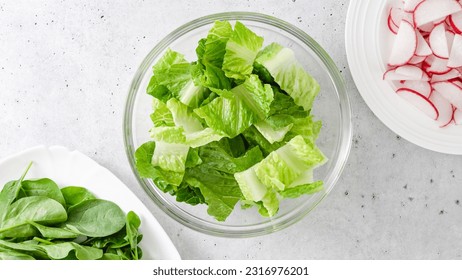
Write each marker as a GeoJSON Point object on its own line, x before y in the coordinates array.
{"type": "Point", "coordinates": [210, 52]}
{"type": "Point", "coordinates": [237, 109]}
{"type": "Point", "coordinates": [165, 180]}
{"type": "Point", "coordinates": [287, 72]}
{"type": "Point", "coordinates": [281, 117]}
{"type": "Point", "coordinates": [170, 157]}
{"type": "Point", "coordinates": [241, 51]}
{"type": "Point", "coordinates": [178, 124]}
{"type": "Point", "coordinates": [280, 168]}
{"type": "Point", "coordinates": [214, 177]}
{"type": "Point", "coordinates": [285, 172]}
{"type": "Point", "coordinates": [172, 78]}
{"type": "Point", "coordinates": [300, 190]}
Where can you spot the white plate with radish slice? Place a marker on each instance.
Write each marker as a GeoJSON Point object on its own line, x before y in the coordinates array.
{"type": "Point", "coordinates": [405, 57]}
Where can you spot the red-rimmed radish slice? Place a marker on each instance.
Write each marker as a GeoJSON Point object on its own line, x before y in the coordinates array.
{"type": "Point", "coordinates": [410, 5]}
{"type": "Point", "coordinates": [423, 49]}
{"type": "Point", "coordinates": [438, 41]}
{"type": "Point", "coordinates": [450, 91]}
{"type": "Point", "coordinates": [457, 116]}
{"type": "Point", "coordinates": [445, 77]}
{"type": "Point", "coordinates": [417, 59]}
{"type": "Point", "coordinates": [391, 26]}
{"type": "Point", "coordinates": [450, 37]}
{"type": "Point", "coordinates": [455, 57]}
{"type": "Point", "coordinates": [421, 87]}
{"type": "Point", "coordinates": [427, 28]}
{"type": "Point", "coordinates": [455, 21]}
{"type": "Point", "coordinates": [410, 71]}
{"type": "Point", "coordinates": [404, 46]}
{"type": "Point", "coordinates": [440, 20]}
{"type": "Point", "coordinates": [420, 102]}
{"type": "Point", "coordinates": [437, 65]}
{"type": "Point", "coordinates": [444, 107]}
{"type": "Point", "coordinates": [406, 73]}
{"type": "Point", "coordinates": [457, 83]}
{"type": "Point", "coordinates": [432, 10]}
{"type": "Point", "coordinates": [396, 16]}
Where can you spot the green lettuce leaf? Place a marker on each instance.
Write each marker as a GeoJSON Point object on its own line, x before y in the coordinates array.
{"type": "Point", "coordinates": [172, 78]}
{"type": "Point", "coordinates": [304, 189]}
{"type": "Point", "coordinates": [241, 51]}
{"type": "Point", "coordinates": [282, 114]}
{"type": "Point", "coordinates": [287, 72]}
{"type": "Point", "coordinates": [280, 168]}
{"type": "Point", "coordinates": [170, 157]}
{"type": "Point", "coordinates": [215, 176]}
{"type": "Point", "coordinates": [237, 109]}
{"type": "Point", "coordinates": [165, 180]}
{"type": "Point", "coordinates": [178, 124]}
{"type": "Point", "coordinates": [210, 52]}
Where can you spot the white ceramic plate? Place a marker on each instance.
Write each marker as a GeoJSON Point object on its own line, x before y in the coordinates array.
{"type": "Point", "coordinates": [368, 43]}
{"type": "Point", "coordinates": [72, 168]}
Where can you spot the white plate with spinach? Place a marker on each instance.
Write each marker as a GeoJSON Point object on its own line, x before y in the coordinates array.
{"type": "Point", "coordinates": [72, 168]}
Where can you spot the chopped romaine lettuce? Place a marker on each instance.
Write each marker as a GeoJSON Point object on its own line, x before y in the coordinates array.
{"type": "Point", "coordinates": [234, 125]}
{"type": "Point", "coordinates": [287, 72]}
{"type": "Point", "coordinates": [241, 50]}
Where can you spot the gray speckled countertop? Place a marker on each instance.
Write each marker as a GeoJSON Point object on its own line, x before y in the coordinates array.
{"type": "Point", "coordinates": [65, 67]}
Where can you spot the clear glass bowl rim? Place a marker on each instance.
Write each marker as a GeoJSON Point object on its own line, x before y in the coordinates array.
{"type": "Point", "coordinates": [342, 152]}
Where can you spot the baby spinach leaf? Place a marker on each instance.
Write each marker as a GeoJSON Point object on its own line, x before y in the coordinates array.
{"type": "Point", "coordinates": [75, 195]}
{"type": "Point", "coordinates": [54, 232]}
{"type": "Point", "coordinates": [116, 240]}
{"type": "Point", "coordinates": [9, 193]}
{"type": "Point", "coordinates": [61, 251]}
{"type": "Point", "coordinates": [20, 231]}
{"type": "Point", "coordinates": [29, 248]}
{"type": "Point", "coordinates": [33, 209]}
{"type": "Point", "coordinates": [95, 218]}
{"type": "Point", "coordinates": [13, 255]}
{"type": "Point", "coordinates": [43, 187]}
{"type": "Point", "coordinates": [133, 222]}
{"type": "Point", "coordinates": [111, 256]}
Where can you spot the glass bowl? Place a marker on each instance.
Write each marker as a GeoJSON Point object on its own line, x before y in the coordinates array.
{"type": "Point", "coordinates": [331, 106]}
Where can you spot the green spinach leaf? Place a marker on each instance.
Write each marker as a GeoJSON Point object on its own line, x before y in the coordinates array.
{"type": "Point", "coordinates": [95, 218]}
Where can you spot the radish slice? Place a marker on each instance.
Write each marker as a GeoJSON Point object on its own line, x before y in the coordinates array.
{"type": "Point", "coordinates": [410, 5]}
{"type": "Point", "coordinates": [450, 91]}
{"type": "Point", "coordinates": [439, 42]}
{"type": "Point", "coordinates": [404, 46]}
{"type": "Point", "coordinates": [421, 87]}
{"type": "Point", "coordinates": [427, 28]}
{"type": "Point", "coordinates": [455, 57]}
{"type": "Point", "coordinates": [406, 73]}
{"type": "Point", "coordinates": [437, 65]}
{"type": "Point", "coordinates": [396, 16]}
{"type": "Point", "coordinates": [417, 59]}
{"type": "Point", "coordinates": [450, 37]}
{"type": "Point", "coordinates": [410, 71]}
{"type": "Point", "coordinates": [432, 10]}
{"type": "Point", "coordinates": [423, 49]}
{"type": "Point", "coordinates": [444, 107]}
{"type": "Point", "coordinates": [445, 77]}
{"type": "Point", "coordinates": [420, 102]}
{"type": "Point", "coordinates": [457, 83]}
{"type": "Point", "coordinates": [440, 20]}
{"type": "Point", "coordinates": [455, 21]}
{"type": "Point", "coordinates": [391, 26]}
{"type": "Point", "coordinates": [457, 116]}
